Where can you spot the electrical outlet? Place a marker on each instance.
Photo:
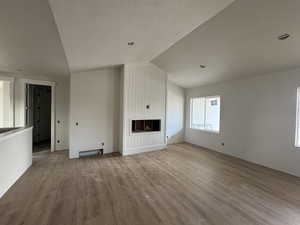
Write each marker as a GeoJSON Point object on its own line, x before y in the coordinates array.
{"type": "Point", "coordinates": [222, 143]}
{"type": "Point", "coordinates": [102, 143]}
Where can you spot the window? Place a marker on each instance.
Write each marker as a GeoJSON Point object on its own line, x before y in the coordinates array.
{"type": "Point", "coordinates": [297, 139]}
{"type": "Point", "coordinates": [205, 113]}
{"type": "Point", "coordinates": [6, 102]}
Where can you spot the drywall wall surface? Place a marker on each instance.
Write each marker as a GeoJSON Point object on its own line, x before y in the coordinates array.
{"type": "Point", "coordinates": [175, 113]}
{"type": "Point", "coordinates": [62, 90]}
{"type": "Point", "coordinates": [95, 106]}
{"type": "Point", "coordinates": [258, 118]}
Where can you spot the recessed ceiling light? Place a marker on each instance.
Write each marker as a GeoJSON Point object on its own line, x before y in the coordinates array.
{"type": "Point", "coordinates": [202, 66]}
{"type": "Point", "coordinates": [131, 43]}
{"type": "Point", "coordinates": [283, 37]}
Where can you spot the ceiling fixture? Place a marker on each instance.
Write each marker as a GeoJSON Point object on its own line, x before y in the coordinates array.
{"type": "Point", "coordinates": [202, 66]}
{"type": "Point", "coordinates": [131, 43]}
{"type": "Point", "coordinates": [283, 37]}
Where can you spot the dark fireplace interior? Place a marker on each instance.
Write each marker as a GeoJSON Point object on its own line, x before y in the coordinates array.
{"type": "Point", "coordinates": [139, 126]}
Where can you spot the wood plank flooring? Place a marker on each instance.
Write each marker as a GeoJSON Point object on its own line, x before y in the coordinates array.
{"type": "Point", "coordinates": [183, 184]}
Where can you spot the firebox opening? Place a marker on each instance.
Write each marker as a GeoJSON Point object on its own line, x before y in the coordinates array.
{"type": "Point", "coordinates": [140, 126]}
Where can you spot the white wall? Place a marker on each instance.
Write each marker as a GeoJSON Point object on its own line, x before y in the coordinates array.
{"type": "Point", "coordinates": [62, 90]}
{"type": "Point", "coordinates": [258, 117]}
{"type": "Point", "coordinates": [62, 104]}
{"type": "Point", "coordinates": [143, 84]}
{"type": "Point", "coordinates": [15, 157]}
{"type": "Point", "coordinates": [95, 105]}
{"type": "Point", "coordinates": [175, 113]}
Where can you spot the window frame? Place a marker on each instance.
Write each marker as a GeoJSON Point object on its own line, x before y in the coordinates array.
{"type": "Point", "coordinates": [12, 97]}
{"type": "Point", "coordinates": [191, 114]}
{"type": "Point", "coordinates": [297, 130]}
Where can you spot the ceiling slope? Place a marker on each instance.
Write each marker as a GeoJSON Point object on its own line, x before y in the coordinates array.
{"type": "Point", "coordinates": [29, 40]}
{"type": "Point", "coordinates": [95, 33]}
{"type": "Point", "coordinates": [240, 41]}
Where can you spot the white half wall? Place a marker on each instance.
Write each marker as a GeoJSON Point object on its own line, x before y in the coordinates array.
{"type": "Point", "coordinates": [258, 117]}
{"type": "Point", "coordinates": [175, 113]}
{"type": "Point", "coordinates": [95, 105]}
{"type": "Point", "coordinates": [15, 157]}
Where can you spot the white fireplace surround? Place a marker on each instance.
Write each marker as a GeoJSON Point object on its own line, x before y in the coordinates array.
{"type": "Point", "coordinates": [143, 97]}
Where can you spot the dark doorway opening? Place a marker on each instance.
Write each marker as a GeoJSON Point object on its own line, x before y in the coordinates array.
{"type": "Point", "coordinates": [38, 115]}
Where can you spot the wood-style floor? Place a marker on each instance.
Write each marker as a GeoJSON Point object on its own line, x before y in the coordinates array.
{"type": "Point", "coordinates": [181, 185]}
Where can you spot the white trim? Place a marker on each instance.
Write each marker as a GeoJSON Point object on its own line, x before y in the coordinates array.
{"type": "Point", "coordinates": [297, 138]}
{"type": "Point", "coordinates": [137, 150]}
{"type": "Point", "coordinates": [166, 109]}
{"type": "Point", "coordinates": [7, 78]}
{"type": "Point", "coordinates": [191, 112]}
{"type": "Point", "coordinates": [12, 97]}
{"type": "Point", "coordinates": [38, 82]}
{"type": "Point", "coordinates": [125, 102]}
{"type": "Point", "coordinates": [53, 110]}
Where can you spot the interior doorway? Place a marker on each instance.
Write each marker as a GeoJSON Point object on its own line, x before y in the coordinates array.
{"type": "Point", "coordinates": [38, 115]}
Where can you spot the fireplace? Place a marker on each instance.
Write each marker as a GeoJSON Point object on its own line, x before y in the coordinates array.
{"type": "Point", "coordinates": [143, 126]}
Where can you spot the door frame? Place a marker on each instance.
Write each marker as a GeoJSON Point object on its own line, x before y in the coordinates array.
{"type": "Point", "coordinates": [53, 111]}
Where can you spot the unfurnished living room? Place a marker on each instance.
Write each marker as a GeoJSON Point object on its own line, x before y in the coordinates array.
{"type": "Point", "coordinates": [150, 112]}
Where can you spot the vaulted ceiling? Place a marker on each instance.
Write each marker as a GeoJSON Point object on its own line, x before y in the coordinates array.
{"type": "Point", "coordinates": [232, 39]}
{"type": "Point", "coordinates": [240, 41]}
{"type": "Point", "coordinates": [55, 37]}
{"type": "Point", "coordinates": [95, 33]}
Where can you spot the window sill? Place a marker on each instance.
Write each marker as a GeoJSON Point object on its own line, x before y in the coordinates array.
{"type": "Point", "coordinates": [207, 131]}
